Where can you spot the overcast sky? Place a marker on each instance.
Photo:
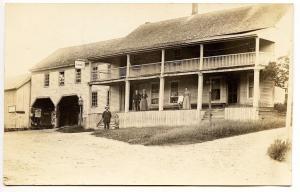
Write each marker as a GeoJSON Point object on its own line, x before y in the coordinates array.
{"type": "Point", "coordinates": [33, 31]}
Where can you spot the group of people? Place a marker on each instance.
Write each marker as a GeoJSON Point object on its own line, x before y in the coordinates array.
{"type": "Point", "coordinates": [139, 101]}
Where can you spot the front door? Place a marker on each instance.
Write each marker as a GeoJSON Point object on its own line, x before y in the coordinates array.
{"type": "Point", "coordinates": [232, 91]}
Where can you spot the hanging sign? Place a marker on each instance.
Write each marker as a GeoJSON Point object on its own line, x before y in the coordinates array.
{"type": "Point", "coordinates": [79, 64]}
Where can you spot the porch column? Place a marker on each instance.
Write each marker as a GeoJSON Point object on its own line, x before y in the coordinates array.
{"type": "Point", "coordinates": [200, 91]}
{"type": "Point", "coordinates": [256, 89]}
{"type": "Point", "coordinates": [256, 51]}
{"type": "Point", "coordinates": [161, 93]}
{"type": "Point", "coordinates": [128, 65]}
{"type": "Point", "coordinates": [127, 85]}
{"type": "Point", "coordinates": [127, 91]}
{"type": "Point", "coordinates": [162, 82]}
{"type": "Point", "coordinates": [201, 57]}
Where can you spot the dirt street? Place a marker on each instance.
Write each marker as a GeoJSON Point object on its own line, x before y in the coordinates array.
{"type": "Point", "coordinates": [47, 157]}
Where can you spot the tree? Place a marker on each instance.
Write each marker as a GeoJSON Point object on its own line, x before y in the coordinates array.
{"type": "Point", "coordinates": [278, 71]}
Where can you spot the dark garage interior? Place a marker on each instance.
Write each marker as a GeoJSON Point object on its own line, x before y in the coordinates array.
{"type": "Point", "coordinates": [68, 111]}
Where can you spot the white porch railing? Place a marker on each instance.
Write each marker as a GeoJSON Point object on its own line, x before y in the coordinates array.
{"type": "Point", "coordinates": [109, 74]}
{"type": "Point", "coordinates": [182, 65]}
{"type": "Point", "coordinates": [144, 69]}
{"type": "Point", "coordinates": [230, 60]}
{"type": "Point", "coordinates": [160, 118]}
{"type": "Point", "coordinates": [241, 113]}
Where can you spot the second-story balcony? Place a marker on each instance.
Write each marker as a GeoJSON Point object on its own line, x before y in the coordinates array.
{"type": "Point", "coordinates": [184, 65]}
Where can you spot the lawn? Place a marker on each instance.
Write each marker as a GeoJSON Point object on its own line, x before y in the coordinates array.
{"type": "Point", "coordinates": [192, 134]}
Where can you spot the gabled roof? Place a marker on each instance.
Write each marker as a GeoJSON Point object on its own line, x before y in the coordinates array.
{"type": "Point", "coordinates": [66, 56]}
{"type": "Point", "coordinates": [173, 32]}
{"type": "Point", "coordinates": [16, 82]}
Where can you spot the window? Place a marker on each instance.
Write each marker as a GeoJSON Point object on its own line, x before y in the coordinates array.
{"type": "Point", "coordinates": [94, 99]}
{"type": "Point", "coordinates": [61, 78]}
{"type": "Point", "coordinates": [215, 89]}
{"type": "Point", "coordinates": [250, 85]}
{"type": "Point", "coordinates": [95, 73]}
{"type": "Point", "coordinates": [174, 92]}
{"type": "Point", "coordinates": [77, 75]}
{"type": "Point", "coordinates": [154, 93]}
{"type": "Point", "coordinates": [46, 80]}
{"type": "Point", "coordinates": [108, 98]}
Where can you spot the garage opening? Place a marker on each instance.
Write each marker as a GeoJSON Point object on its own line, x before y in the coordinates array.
{"type": "Point", "coordinates": [68, 111]}
{"type": "Point", "coordinates": [41, 113]}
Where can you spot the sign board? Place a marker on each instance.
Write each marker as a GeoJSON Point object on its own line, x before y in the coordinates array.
{"type": "Point", "coordinates": [12, 109]}
{"type": "Point", "coordinates": [79, 64]}
{"type": "Point", "coordinates": [38, 113]}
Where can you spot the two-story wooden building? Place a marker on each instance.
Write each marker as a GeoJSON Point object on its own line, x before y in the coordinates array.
{"type": "Point", "coordinates": [222, 52]}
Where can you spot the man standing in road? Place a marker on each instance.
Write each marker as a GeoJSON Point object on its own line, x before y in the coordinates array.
{"type": "Point", "coordinates": [106, 116]}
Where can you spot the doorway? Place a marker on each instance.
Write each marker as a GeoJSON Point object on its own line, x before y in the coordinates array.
{"type": "Point", "coordinates": [68, 111]}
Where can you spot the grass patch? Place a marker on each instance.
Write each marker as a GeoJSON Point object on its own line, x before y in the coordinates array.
{"type": "Point", "coordinates": [192, 134]}
{"type": "Point", "coordinates": [73, 129]}
{"type": "Point", "coordinates": [279, 149]}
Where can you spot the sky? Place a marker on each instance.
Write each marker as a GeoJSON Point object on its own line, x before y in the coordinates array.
{"type": "Point", "coordinates": [34, 31]}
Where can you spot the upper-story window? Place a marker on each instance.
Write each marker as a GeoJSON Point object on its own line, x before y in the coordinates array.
{"type": "Point", "coordinates": [61, 78]}
{"type": "Point", "coordinates": [94, 73]}
{"type": "Point", "coordinates": [77, 75]}
{"type": "Point", "coordinates": [47, 80]}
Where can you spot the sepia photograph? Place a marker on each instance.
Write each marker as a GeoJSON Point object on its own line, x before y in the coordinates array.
{"type": "Point", "coordinates": [148, 94]}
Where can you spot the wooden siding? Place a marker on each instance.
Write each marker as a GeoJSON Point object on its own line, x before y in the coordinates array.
{"type": "Point", "coordinates": [21, 99]}
{"type": "Point", "coordinates": [241, 113]}
{"type": "Point", "coordinates": [160, 118]}
{"type": "Point", "coordinates": [266, 91]}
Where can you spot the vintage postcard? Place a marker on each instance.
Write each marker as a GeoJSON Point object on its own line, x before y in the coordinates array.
{"type": "Point", "coordinates": [148, 94]}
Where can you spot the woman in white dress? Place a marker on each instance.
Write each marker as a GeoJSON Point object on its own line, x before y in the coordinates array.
{"type": "Point", "coordinates": [186, 99]}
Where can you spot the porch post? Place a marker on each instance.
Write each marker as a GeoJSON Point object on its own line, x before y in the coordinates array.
{"type": "Point", "coordinates": [127, 91]}
{"type": "Point", "coordinates": [200, 91]}
{"type": "Point", "coordinates": [201, 57]}
{"type": "Point", "coordinates": [161, 93]}
{"type": "Point", "coordinates": [256, 51]}
{"type": "Point", "coordinates": [127, 85]}
{"type": "Point", "coordinates": [162, 82]}
{"type": "Point", "coordinates": [128, 66]}
{"type": "Point", "coordinates": [256, 89]}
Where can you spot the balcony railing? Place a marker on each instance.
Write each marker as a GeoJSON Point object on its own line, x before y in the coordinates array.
{"type": "Point", "coordinates": [231, 60]}
{"type": "Point", "coordinates": [185, 65]}
{"type": "Point", "coordinates": [144, 69]}
{"type": "Point", "coordinates": [109, 74]}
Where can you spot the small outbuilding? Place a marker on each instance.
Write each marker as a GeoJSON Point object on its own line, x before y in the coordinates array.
{"type": "Point", "coordinates": [17, 102]}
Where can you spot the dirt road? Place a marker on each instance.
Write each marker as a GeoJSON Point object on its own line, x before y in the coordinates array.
{"type": "Point", "coordinates": [53, 158]}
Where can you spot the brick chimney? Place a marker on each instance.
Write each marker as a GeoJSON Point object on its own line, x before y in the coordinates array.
{"type": "Point", "coordinates": [194, 8]}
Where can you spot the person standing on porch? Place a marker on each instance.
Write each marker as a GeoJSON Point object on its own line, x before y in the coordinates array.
{"type": "Point", "coordinates": [106, 116]}
{"type": "Point", "coordinates": [186, 99]}
{"type": "Point", "coordinates": [144, 104]}
{"type": "Point", "coordinates": [136, 100]}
